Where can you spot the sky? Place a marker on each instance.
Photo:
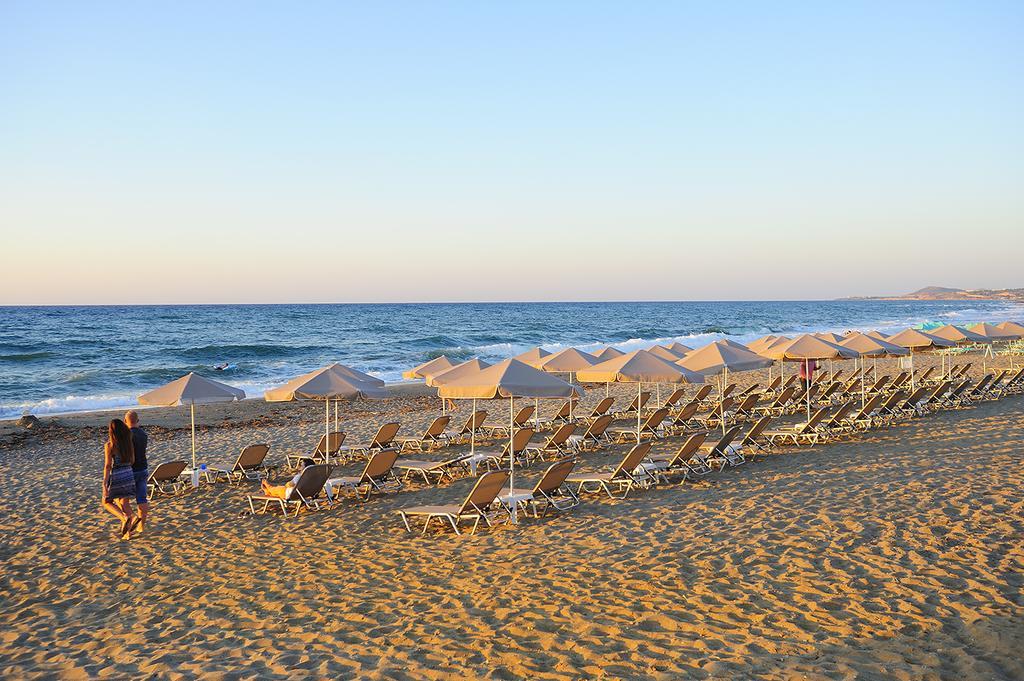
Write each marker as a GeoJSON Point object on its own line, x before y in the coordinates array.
{"type": "Point", "coordinates": [221, 152]}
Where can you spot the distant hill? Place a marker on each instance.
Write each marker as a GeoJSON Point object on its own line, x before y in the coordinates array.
{"type": "Point", "coordinates": [946, 293]}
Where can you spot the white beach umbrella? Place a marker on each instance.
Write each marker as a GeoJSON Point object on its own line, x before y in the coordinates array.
{"type": "Point", "coordinates": [639, 366]}
{"type": "Point", "coordinates": [806, 348]}
{"type": "Point", "coordinates": [333, 382]}
{"type": "Point", "coordinates": [191, 389]}
{"type": "Point", "coordinates": [510, 379]}
{"type": "Point", "coordinates": [717, 359]}
{"type": "Point", "coordinates": [869, 346]}
{"type": "Point", "coordinates": [918, 341]}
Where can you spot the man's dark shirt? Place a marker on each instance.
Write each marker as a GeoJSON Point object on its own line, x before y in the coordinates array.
{"type": "Point", "coordinates": [139, 441]}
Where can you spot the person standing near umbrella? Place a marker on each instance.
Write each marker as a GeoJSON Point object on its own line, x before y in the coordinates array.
{"type": "Point", "coordinates": [807, 369]}
{"type": "Point", "coordinates": [140, 441]}
{"type": "Point", "coordinates": [118, 476]}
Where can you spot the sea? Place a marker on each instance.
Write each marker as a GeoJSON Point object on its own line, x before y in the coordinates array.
{"type": "Point", "coordinates": [72, 359]}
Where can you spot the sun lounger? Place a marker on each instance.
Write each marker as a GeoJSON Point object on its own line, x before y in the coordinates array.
{"type": "Point", "coordinates": [473, 424]}
{"type": "Point", "coordinates": [520, 420]}
{"type": "Point", "coordinates": [601, 408]}
{"type": "Point", "coordinates": [625, 477]}
{"type": "Point", "coordinates": [879, 385]}
{"type": "Point", "coordinates": [723, 452]}
{"type": "Point", "coordinates": [685, 460]}
{"type": "Point", "coordinates": [250, 465]}
{"type": "Point", "coordinates": [476, 507]}
{"type": "Point", "coordinates": [755, 438]}
{"type": "Point", "coordinates": [806, 432]}
{"type": "Point", "coordinates": [378, 476]}
{"type": "Point", "coordinates": [833, 426]}
{"type": "Point", "coordinates": [594, 437]}
{"type": "Point", "coordinates": [865, 416]}
{"type": "Point", "coordinates": [328, 446]}
{"type": "Point", "coordinates": [746, 406]}
{"type": "Point", "coordinates": [434, 471]}
{"type": "Point", "coordinates": [520, 449]}
{"type": "Point", "coordinates": [383, 439]}
{"type": "Point", "coordinates": [307, 492]}
{"type": "Point", "coordinates": [563, 415]}
{"type": "Point", "coordinates": [557, 445]}
{"type": "Point", "coordinates": [888, 409]}
{"type": "Point", "coordinates": [703, 396]}
{"type": "Point", "coordinates": [649, 428]}
{"type": "Point", "coordinates": [166, 478]}
{"type": "Point", "coordinates": [716, 414]}
{"type": "Point", "coordinates": [672, 401]}
{"type": "Point", "coordinates": [638, 403]}
{"type": "Point", "coordinates": [432, 437]}
{"type": "Point", "coordinates": [779, 405]}
{"type": "Point", "coordinates": [551, 491]}
{"type": "Point", "coordinates": [683, 420]}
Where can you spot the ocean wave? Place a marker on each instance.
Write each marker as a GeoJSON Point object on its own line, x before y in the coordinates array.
{"type": "Point", "coordinates": [27, 356]}
{"type": "Point", "coordinates": [235, 352]}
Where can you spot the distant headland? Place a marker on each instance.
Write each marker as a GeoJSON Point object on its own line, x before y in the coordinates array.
{"type": "Point", "coordinates": [946, 293]}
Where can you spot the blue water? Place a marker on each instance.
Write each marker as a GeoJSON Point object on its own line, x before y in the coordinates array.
{"type": "Point", "coordinates": [62, 359]}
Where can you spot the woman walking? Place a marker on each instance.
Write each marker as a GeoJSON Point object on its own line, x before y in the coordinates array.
{"type": "Point", "coordinates": [118, 477]}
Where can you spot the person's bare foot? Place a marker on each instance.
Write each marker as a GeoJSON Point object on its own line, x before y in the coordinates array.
{"type": "Point", "coordinates": [126, 525]}
{"type": "Point", "coordinates": [140, 526]}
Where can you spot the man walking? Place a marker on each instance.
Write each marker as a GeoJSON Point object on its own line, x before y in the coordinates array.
{"type": "Point", "coordinates": [141, 468]}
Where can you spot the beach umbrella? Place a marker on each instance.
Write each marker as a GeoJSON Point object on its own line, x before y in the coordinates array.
{"type": "Point", "coordinates": [191, 389]}
{"type": "Point", "coordinates": [533, 356]}
{"type": "Point", "coordinates": [876, 334]}
{"type": "Point", "coordinates": [869, 346]}
{"type": "Point", "coordinates": [918, 341]}
{"type": "Point", "coordinates": [607, 353]}
{"type": "Point", "coordinates": [434, 366]}
{"type": "Point", "coordinates": [960, 336]}
{"type": "Point", "coordinates": [1012, 327]}
{"type": "Point", "coordinates": [763, 347]}
{"type": "Point", "coordinates": [428, 369]}
{"type": "Point", "coordinates": [332, 382]}
{"type": "Point", "coordinates": [678, 348]}
{"type": "Point", "coordinates": [510, 379]}
{"type": "Point", "coordinates": [470, 366]}
{"type": "Point", "coordinates": [756, 344]}
{"type": "Point", "coordinates": [567, 361]}
{"type": "Point", "coordinates": [831, 338]}
{"type": "Point", "coordinates": [665, 354]}
{"type": "Point", "coordinates": [670, 356]}
{"type": "Point", "coordinates": [735, 344]}
{"type": "Point", "coordinates": [805, 348]}
{"type": "Point", "coordinates": [639, 366]}
{"type": "Point", "coordinates": [717, 359]}
{"type": "Point", "coordinates": [994, 333]}
{"type": "Point", "coordinates": [997, 334]}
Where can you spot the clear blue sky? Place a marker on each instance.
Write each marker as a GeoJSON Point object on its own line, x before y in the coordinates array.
{"type": "Point", "coordinates": [268, 152]}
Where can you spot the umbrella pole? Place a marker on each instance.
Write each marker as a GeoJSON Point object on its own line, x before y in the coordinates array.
{"type": "Point", "coordinates": [327, 428]}
{"type": "Point", "coordinates": [639, 388]}
{"type": "Point", "coordinates": [511, 458]}
{"type": "Point", "coordinates": [192, 409]}
{"type": "Point", "coordinates": [536, 413]}
{"type": "Point", "coordinates": [911, 371]}
{"type": "Point", "coordinates": [472, 429]}
{"type": "Point", "coordinates": [810, 382]}
{"type": "Point", "coordinates": [862, 397]}
{"type": "Point", "coordinates": [725, 381]}
{"type": "Point", "coordinates": [335, 416]}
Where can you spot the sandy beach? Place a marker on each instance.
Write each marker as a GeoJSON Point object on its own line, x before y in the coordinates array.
{"type": "Point", "coordinates": [897, 554]}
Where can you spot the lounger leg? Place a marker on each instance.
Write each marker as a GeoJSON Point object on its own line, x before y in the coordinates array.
{"type": "Point", "coordinates": [405, 520]}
